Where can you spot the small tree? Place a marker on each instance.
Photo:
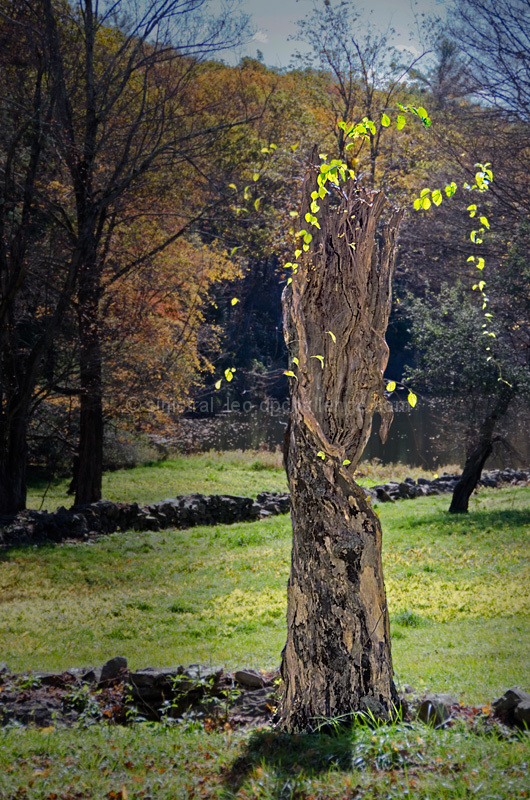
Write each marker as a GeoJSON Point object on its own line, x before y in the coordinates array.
{"type": "Point", "coordinates": [454, 357]}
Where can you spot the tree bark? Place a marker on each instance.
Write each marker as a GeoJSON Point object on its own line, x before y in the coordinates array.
{"type": "Point", "coordinates": [90, 451]}
{"type": "Point", "coordinates": [480, 453]}
{"type": "Point", "coordinates": [13, 461]}
{"type": "Point", "coordinates": [337, 660]}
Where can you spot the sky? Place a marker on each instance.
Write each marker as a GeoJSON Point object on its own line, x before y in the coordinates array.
{"type": "Point", "coordinates": [275, 20]}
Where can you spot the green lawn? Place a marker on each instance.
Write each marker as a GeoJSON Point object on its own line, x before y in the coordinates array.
{"type": "Point", "coordinates": [459, 598]}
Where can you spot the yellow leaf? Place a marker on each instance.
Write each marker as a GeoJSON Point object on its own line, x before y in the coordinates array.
{"type": "Point", "coordinates": [321, 455]}
{"type": "Point", "coordinates": [346, 462]}
{"type": "Point", "coordinates": [218, 384]}
{"type": "Point", "coordinates": [391, 385]}
{"type": "Point", "coordinates": [332, 336]}
{"type": "Point", "coordinates": [234, 300]}
{"type": "Point", "coordinates": [255, 177]}
{"type": "Point", "coordinates": [290, 374]}
{"type": "Point", "coordinates": [412, 399]}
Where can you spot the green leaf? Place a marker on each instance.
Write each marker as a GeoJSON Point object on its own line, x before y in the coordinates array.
{"type": "Point", "coordinates": [425, 203]}
{"type": "Point", "coordinates": [265, 150]}
{"type": "Point", "coordinates": [437, 197]}
{"type": "Point", "coordinates": [417, 204]}
{"type": "Point", "coordinates": [424, 192]}
{"type": "Point", "coordinates": [401, 122]}
{"type": "Point", "coordinates": [234, 300]}
{"type": "Point", "coordinates": [233, 250]}
{"type": "Point", "coordinates": [346, 462]}
{"type": "Point", "coordinates": [450, 189]}
{"type": "Point", "coordinates": [412, 399]}
{"type": "Point", "coordinates": [293, 213]}
{"type": "Point", "coordinates": [308, 238]}
{"type": "Point", "coordinates": [321, 455]}
{"type": "Point", "coordinates": [332, 336]}
{"type": "Point", "coordinates": [322, 192]}
{"type": "Point", "coordinates": [257, 201]}
{"type": "Point", "coordinates": [295, 147]}
{"type": "Point", "coordinates": [297, 253]}
{"type": "Point", "coordinates": [385, 120]}
{"type": "Point", "coordinates": [255, 177]}
{"type": "Point", "coordinates": [391, 385]}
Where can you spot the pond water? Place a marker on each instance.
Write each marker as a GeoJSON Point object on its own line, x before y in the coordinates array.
{"type": "Point", "coordinates": [425, 436]}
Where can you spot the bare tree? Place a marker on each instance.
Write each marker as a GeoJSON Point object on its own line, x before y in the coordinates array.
{"type": "Point", "coordinates": [495, 34]}
{"type": "Point", "coordinates": [364, 67]}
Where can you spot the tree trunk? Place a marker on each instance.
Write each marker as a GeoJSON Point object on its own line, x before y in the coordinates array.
{"type": "Point", "coordinates": [13, 463]}
{"type": "Point", "coordinates": [480, 453]}
{"type": "Point", "coordinates": [337, 659]}
{"type": "Point", "coordinates": [90, 452]}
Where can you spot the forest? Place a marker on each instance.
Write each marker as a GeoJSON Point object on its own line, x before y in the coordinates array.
{"type": "Point", "coordinates": [149, 200]}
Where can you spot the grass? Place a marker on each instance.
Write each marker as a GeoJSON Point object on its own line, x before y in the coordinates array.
{"type": "Point", "coordinates": [161, 763]}
{"type": "Point", "coordinates": [458, 593]}
{"type": "Point", "coordinates": [236, 472]}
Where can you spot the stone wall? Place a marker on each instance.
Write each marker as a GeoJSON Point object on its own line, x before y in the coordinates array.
{"type": "Point", "coordinates": [89, 521]}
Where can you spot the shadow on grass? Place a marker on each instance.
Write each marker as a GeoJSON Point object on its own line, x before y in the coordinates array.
{"type": "Point", "coordinates": [507, 519]}
{"type": "Point", "coordinates": [292, 758]}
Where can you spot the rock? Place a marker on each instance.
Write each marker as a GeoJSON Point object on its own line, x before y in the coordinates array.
{"type": "Point", "coordinates": [382, 494]}
{"type": "Point", "coordinates": [521, 714]}
{"type": "Point", "coordinates": [4, 669]}
{"type": "Point", "coordinates": [249, 678]}
{"type": "Point", "coordinates": [435, 709]}
{"type": "Point", "coordinates": [253, 706]}
{"type": "Point", "coordinates": [173, 690]}
{"type": "Point", "coordinates": [112, 669]}
{"type": "Point", "coordinates": [41, 712]}
{"type": "Point", "coordinates": [373, 708]}
{"type": "Point", "coordinates": [506, 708]}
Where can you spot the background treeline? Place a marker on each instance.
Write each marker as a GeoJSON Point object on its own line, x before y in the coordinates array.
{"type": "Point", "coordinates": [145, 184]}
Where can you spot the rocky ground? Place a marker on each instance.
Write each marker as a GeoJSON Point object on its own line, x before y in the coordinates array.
{"type": "Point", "coordinates": [113, 694]}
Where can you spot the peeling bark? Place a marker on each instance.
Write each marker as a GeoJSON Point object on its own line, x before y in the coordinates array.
{"type": "Point", "coordinates": [337, 658]}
